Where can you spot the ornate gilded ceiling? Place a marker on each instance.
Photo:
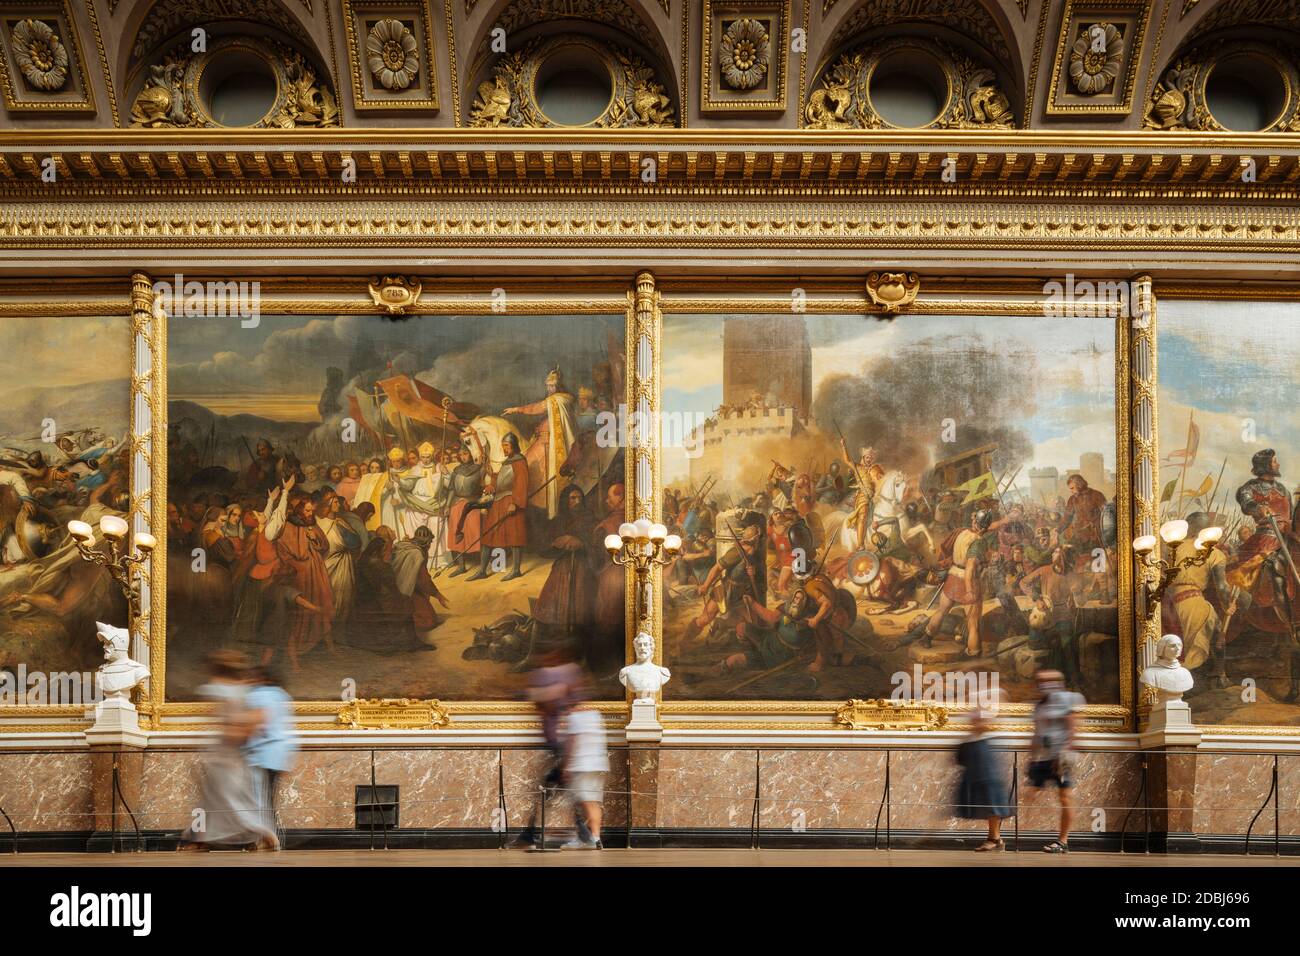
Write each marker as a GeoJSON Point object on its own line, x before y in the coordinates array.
{"type": "Point", "coordinates": [766, 64]}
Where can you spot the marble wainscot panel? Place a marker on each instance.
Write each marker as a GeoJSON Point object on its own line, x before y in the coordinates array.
{"type": "Point", "coordinates": [706, 789]}
{"type": "Point", "coordinates": [320, 792]}
{"type": "Point", "coordinates": [922, 788]}
{"type": "Point", "coordinates": [523, 770]}
{"type": "Point", "coordinates": [1230, 788]}
{"type": "Point", "coordinates": [1106, 782]}
{"type": "Point", "coordinates": [820, 789]}
{"type": "Point", "coordinates": [441, 788]}
{"type": "Point", "coordinates": [169, 789]}
{"type": "Point", "coordinates": [1288, 794]}
{"type": "Point", "coordinates": [47, 792]}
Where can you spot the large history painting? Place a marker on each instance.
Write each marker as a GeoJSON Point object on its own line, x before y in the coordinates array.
{"type": "Point", "coordinates": [1230, 453]}
{"type": "Point", "coordinates": [64, 455]}
{"type": "Point", "coordinates": [871, 509]}
{"type": "Point", "coordinates": [411, 508]}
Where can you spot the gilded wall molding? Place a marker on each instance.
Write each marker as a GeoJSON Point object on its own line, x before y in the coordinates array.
{"type": "Point", "coordinates": [1179, 100]}
{"type": "Point", "coordinates": [508, 98]}
{"type": "Point", "coordinates": [43, 67]}
{"type": "Point", "coordinates": [974, 98]}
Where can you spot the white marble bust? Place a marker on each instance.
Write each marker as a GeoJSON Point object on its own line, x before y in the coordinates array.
{"type": "Point", "coordinates": [120, 674]}
{"type": "Point", "coordinates": [1167, 674]}
{"type": "Point", "coordinates": [644, 678]}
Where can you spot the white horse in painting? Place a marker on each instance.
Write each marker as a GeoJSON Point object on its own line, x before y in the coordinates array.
{"type": "Point", "coordinates": [890, 507]}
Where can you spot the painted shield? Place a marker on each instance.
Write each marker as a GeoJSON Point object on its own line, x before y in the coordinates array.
{"type": "Point", "coordinates": [38, 533]}
{"type": "Point", "coordinates": [863, 567]}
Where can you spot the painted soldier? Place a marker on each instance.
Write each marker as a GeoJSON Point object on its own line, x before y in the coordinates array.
{"type": "Point", "coordinates": [1261, 567]}
{"type": "Point", "coordinates": [507, 516]}
{"type": "Point", "coordinates": [1081, 523]}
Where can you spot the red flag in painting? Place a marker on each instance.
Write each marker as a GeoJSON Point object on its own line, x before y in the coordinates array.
{"type": "Point", "coordinates": [1185, 457]}
{"type": "Point", "coordinates": [421, 402]}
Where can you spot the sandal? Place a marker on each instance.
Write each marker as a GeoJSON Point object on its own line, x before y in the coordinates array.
{"type": "Point", "coordinates": [989, 845]}
{"type": "Point", "coordinates": [1056, 846]}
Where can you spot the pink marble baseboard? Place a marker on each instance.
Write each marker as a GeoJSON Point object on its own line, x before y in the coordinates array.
{"type": "Point", "coordinates": [47, 791]}
{"type": "Point", "coordinates": [1231, 788]}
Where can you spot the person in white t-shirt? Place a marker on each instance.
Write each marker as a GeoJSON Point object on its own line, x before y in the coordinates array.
{"type": "Point", "coordinates": [586, 761]}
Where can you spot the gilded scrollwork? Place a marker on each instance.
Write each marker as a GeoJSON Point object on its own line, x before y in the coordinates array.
{"type": "Point", "coordinates": [171, 94]}
{"type": "Point", "coordinates": [974, 99]}
{"type": "Point", "coordinates": [508, 97]}
{"type": "Point", "coordinates": [1179, 100]}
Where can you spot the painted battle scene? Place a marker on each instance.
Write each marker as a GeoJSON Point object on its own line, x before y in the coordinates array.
{"type": "Point", "coordinates": [64, 455]}
{"type": "Point", "coordinates": [1230, 454]}
{"type": "Point", "coordinates": [863, 499]}
{"type": "Point", "coordinates": [411, 508]}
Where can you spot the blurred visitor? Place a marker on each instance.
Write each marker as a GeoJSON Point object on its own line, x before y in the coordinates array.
{"type": "Point", "coordinates": [229, 813]}
{"type": "Point", "coordinates": [1051, 758]}
{"type": "Point", "coordinates": [272, 748]}
{"type": "Point", "coordinates": [982, 795]}
{"type": "Point", "coordinates": [554, 686]}
{"type": "Point", "coordinates": [586, 761]}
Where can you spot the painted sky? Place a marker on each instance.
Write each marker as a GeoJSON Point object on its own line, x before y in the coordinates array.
{"type": "Point", "coordinates": [277, 369]}
{"type": "Point", "coordinates": [1068, 367]}
{"type": "Point", "coordinates": [1232, 367]}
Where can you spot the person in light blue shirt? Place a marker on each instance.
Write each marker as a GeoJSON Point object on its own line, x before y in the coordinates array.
{"type": "Point", "coordinates": [272, 748]}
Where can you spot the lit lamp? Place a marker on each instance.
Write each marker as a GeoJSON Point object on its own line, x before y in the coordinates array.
{"type": "Point", "coordinates": [1156, 573]}
{"type": "Point", "coordinates": [113, 553]}
{"type": "Point", "coordinates": [642, 545]}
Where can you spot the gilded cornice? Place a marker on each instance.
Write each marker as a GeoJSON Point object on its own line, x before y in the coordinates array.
{"type": "Point", "coordinates": [907, 159]}
{"type": "Point", "coordinates": [1171, 193]}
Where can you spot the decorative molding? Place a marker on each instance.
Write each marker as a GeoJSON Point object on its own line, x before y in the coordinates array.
{"type": "Point", "coordinates": [723, 19]}
{"type": "Point", "coordinates": [1123, 25]}
{"type": "Point", "coordinates": [393, 714]}
{"type": "Point", "coordinates": [361, 20]}
{"type": "Point", "coordinates": [167, 17]}
{"type": "Point", "coordinates": [103, 61]}
{"type": "Point", "coordinates": [893, 291]}
{"type": "Point", "coordinates": [395, 294]}
{"type": "Point", "coordinates": [967, 18]}
{"type": "Point", "coordinates": [170, 97]}
{"type": "Point", "coordinates": [509, 98]}
{"type": "Point", "coordinates": [1179, 100]}
{"type": "Point", "coordinates": [890, 715]}
{"type": "Point", "coordinates": [973, 100]}
{"type": "Point", "coordinates": [57, 80]}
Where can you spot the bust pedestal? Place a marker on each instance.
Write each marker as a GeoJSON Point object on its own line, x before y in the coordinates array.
{"type": "Point", "coordinates": [1170, 725]}
{"type": "Point", "coordinates": [644, 725]}
{"type": "Point", "coordinates": [117, 724]}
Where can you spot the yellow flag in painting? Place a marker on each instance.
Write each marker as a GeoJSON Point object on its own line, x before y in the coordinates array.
{"type": "Point", "coordinates": [983, 486]}
{"type": "Point", "coordinates": [1205, 487]}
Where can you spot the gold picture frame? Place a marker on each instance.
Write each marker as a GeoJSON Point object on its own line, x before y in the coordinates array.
{"type": "Point", "coordinates": [354, 295]}
{"type": "Point", "coordinates": [111, 298]}
{"type": "Point", "coordinates": [953, 297]}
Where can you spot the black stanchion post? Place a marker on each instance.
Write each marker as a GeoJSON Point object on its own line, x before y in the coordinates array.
{"type": "Point", "coordinates": [1015, 798]}
{"type": "Point", "coordinates": [501, 800]}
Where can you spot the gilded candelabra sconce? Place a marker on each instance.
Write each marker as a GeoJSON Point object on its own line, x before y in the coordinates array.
{"type": "Point", "coordinates": [643, 545]}
{"type": "Point", "coordinates": [117, 722]}
{"type": "Point", "coordinates": [113, 554]}
{"type": "Point", "coordinates": [1156, 574]}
